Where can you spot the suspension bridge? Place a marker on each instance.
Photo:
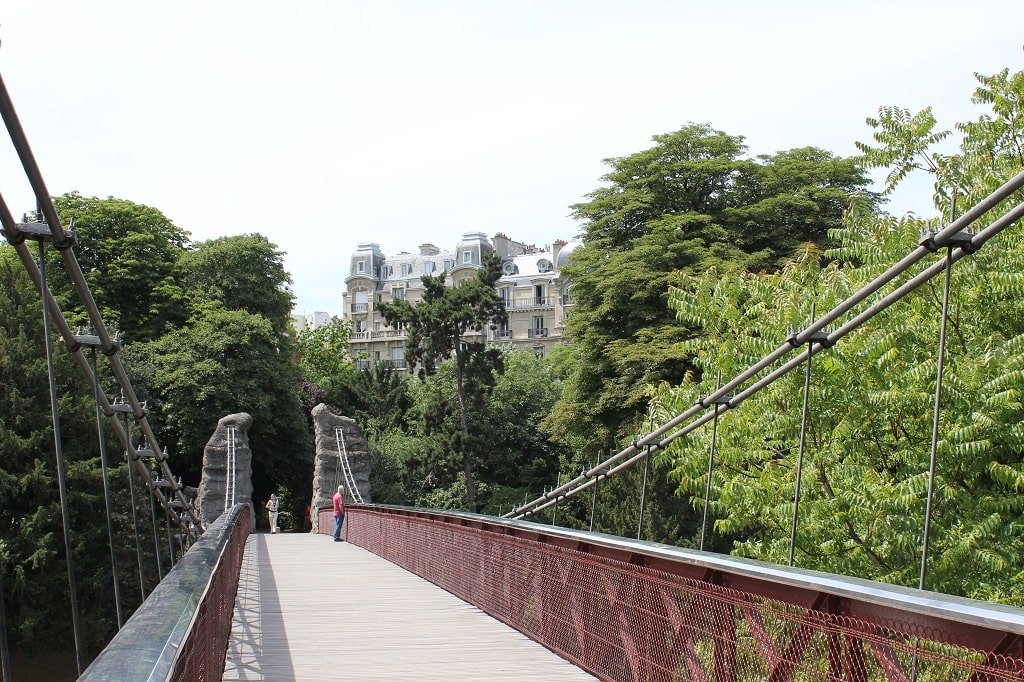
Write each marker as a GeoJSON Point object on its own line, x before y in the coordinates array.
{"type": "Point", "coordinates": [423, 594]}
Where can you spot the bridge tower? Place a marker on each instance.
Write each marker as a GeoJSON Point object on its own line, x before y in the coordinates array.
{"type": "Point", "coordinates": [227, 462]}
{"type": "Point", "coordinates": [342, 455]}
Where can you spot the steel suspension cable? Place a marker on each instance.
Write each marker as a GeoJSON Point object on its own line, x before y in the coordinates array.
{"type": "Point", "coordinates": [60, 239]}
{"type": "Point", "coordinates": [622, 459]}
{"type": "Point", "coordinates": [59, 451]}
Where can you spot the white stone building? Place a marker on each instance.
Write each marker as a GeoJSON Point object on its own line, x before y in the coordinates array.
{"type": "Point", "coordinates": [536, 297]}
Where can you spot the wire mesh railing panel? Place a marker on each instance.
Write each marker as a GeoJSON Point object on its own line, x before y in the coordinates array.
{"type": "Point", "coordinates": [623, 620]}
{"type": "Point", "coordinates": [202, 654]}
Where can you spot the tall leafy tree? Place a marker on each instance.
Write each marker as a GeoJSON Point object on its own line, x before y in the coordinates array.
{"type": "Point", "coordinates": [437, 327]}
{"type": "Point", "coordinates": [243, 272]}
{"type": "Point", "coordinates": [226, 361]}
{"type": "Point", "coordinates": [689, 202]}
{"type": "Point", "coordinates": [127, 252]}
{"type": "Point", "coordinates": [324, 359]}
{"type": "Point", "coordinates": [32, 554]}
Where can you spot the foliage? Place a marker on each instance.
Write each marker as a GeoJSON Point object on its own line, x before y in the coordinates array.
{"type": "Point", "coordinates": [243, 272]}
{"type": "Point", "coordinates": [689, 202]}
{"type": "Point", "coordinates": [127, 252]}
{"type": "Point", "coordinates": [32, 554]}
{"type": "Point", "coordinates": [869, 430]}
{"type": "Point", "coordinates": [227, 361]}
{"type": "Point", "coordinates": [324, 358]}
{"type": "Point", "coordinates": [437, 327]}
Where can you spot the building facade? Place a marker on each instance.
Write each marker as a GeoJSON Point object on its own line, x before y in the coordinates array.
{"type": "Point", "coordinates": [537, 298]}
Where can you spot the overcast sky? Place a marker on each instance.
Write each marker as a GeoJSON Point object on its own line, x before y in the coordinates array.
{"type": "Point", "coordinates": [324, 123]}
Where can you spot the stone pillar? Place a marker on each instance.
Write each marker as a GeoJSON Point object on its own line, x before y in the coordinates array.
{"type": "Point", "coordinates": [213, 484]}
{"type": "Point", "coordinates": [327, 473]}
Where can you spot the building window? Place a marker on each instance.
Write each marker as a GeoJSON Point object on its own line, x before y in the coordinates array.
{"type": "Point", "coordinates": [360, 326]}
{"type": "Point", "coordinates": [538, 294]}
{"type": "Point", "coordinates": [538, 351]}
{"type": "Point", "coordinates": [406, 269]}
{"type": "Point", "coordinates": [448, 265]}
{"type": "Point", "coordinates": [503, 331]}
{"type": "Point", "coordinates": [398, 294]}
{"type": "Point", "coordinates": [361, 266]}
{"type": "Point", "coordinates": [429, 267]}
{"type": "Point", "coordinates": [506, 295]}
{"type": "Point", "coordinates": [398, 358]}
{"type": "Point", "coordinates": [537, 329]}
{"type": "Point", "coordinates": [360, 304]}
{"type": "Point", "coordinates": [385, 271]}
{"type": "Point", "coordinates": [467, 256]}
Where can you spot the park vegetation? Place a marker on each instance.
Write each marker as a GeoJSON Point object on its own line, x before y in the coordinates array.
{"type": "Point", "coordinates": [696, 258]}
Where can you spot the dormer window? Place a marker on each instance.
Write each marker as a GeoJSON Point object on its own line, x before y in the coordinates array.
{"type": "Point", "coordinates": [467, 257]}
{"type": "Point", "coordinates": [543, 265]}
{"type": "Point", "coordinates": [429, 267]}
{"type": "Point", "coordinates": [361, 266]}
{"type": "Point", "coordinates": [448, 265]}
{"type": "Point", "coordinates": [406, 269]}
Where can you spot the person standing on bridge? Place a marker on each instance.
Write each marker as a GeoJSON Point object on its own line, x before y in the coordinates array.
{"type": "Point", "coordinates": [272, 508]}
{"type": "Point", "coordinates": [339, 512]}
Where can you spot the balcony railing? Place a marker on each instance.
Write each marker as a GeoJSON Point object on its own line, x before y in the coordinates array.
{"type": "Point", "coordinates": [539, 333]}
{"type": "Point", "coordinates": [362, 364]}
{"type": "Point", "coordinates": [359, 336]}
{"type": "Point", "coordinates": [529, 302]}
{"type": "Point", "coordinates": [396, 364]}
{"type": "Point", "coordinates": [503, 334]}
{"type": "Point", "coordinates": [387, 334]}
{"type": "Point", "coordinates": [359, 307]}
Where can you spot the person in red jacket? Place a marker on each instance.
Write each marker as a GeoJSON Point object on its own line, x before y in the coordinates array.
{"type": "Point", "coordinates": [339, 512]}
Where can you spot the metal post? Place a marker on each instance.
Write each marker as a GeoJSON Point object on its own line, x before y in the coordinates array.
{"type": "Point", "coordinates": [593, 500]}
{"type": "Point", "coordinates": [106, 492]}
{"type": "Point", "coordinates": [643, 492]}
{"type": "Point", "coordinates": [61, 486]}
{"type": "Point", "coordinates": [932, 460]}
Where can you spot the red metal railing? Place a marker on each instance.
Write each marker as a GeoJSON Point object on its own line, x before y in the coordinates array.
{"type": "Point", "coordinates": [627, 610]}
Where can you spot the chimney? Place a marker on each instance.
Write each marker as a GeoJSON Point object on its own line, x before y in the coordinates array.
{"type": "Point", "coordinates": [555, 249]}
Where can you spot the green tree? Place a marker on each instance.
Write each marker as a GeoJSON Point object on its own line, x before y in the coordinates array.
{"type": "Point", "coordinates": [324, 358]}
{"type": "Point", "coordinates": [32, 554]}
{"type": "Point", "coordinates": [439, 326]}
{"type": "Point", "coordinates": [687, 203]}
{"type": "Point", "coordinates": [866, 465]}
{"type": "Point", "coordinates": [244, 272]}
{"type": "Point", "coordinates": [226, 361]}
{"type": "Point", "coordinates": [127, 252]}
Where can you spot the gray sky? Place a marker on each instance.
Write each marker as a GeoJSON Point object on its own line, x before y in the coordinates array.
{"type": "Point", "coordinates": [323, 123]}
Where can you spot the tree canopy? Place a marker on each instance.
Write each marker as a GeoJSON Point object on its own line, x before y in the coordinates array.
{"type": "Point", "coordinates": [866, 467]}
{"type": "Point", "coordinates": [689, 202]}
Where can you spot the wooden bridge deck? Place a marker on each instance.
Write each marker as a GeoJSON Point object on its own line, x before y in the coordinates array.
{"type": "Point", "coordinates": [312, 609]}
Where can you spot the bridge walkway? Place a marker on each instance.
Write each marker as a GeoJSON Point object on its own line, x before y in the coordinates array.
{"type": "Point", "coordinates": [312, 609]}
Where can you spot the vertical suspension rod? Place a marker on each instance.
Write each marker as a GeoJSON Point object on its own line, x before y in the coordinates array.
{"type": "Point", "coordinates": [61, 486]}
{"type": "Point", "coordinates": [963, 241]}
{"type": "Point", "coordinates": [106, 496]}
{"type": "Point", "coordinates": [822, 338]}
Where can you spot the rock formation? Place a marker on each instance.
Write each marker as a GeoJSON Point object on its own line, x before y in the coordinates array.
{"type": "Point", "coordinates": [212, 485]}
{"type": "Point", "coordinates": [327, 472]}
